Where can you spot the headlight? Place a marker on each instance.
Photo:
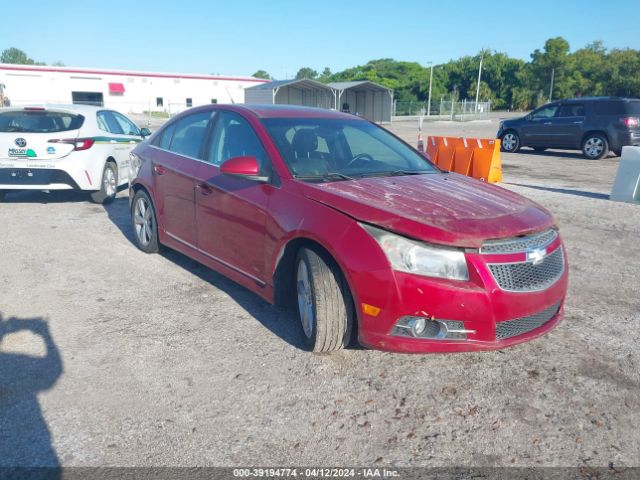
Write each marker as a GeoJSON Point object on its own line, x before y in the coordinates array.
{"type": "Point", "coordinates": [406, 255]}
{"type": "Point", "coordinates": [135, 162]}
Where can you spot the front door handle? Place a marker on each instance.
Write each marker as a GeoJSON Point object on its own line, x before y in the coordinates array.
{"type": "Point", "coordinates": [548, 123]}
{"type": "Point", "coordinates": [579, 123]}
{"type": "Point", "coordinates": [204, 189]}
{"type": "Point", "coordinates": [159, 169]}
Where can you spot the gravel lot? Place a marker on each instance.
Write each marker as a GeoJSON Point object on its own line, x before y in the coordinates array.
{"type": "Point", "coordinates": [155, 360]}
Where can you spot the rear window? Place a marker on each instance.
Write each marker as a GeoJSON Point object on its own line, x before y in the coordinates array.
{"type": "Point", "coordinates": [617, 108]}
{"type": "Point", "coordinates": [39, 121]}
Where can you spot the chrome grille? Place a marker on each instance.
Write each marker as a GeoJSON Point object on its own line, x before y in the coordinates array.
{"type": "Point", "coordinates": [527, 277]}
{"type": "Point", "coordinates": [519, 326]}
{"type": "Point", "coordinates": [520, 244]}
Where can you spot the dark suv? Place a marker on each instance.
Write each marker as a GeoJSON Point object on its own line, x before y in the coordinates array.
{"type": "Point", "coordinates": [595, 125]}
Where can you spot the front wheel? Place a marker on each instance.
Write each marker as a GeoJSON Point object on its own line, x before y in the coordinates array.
{"type": "Point", "coordinates": [108, 185]}
{"type": "Point", "coordinates": [510, 142]}
{"type": "Point", "coordinates": [595, 146]}
{"type": "Point", "coordinates": [325, 306]}
{"type": "Point", "coordinates": [145, 225]}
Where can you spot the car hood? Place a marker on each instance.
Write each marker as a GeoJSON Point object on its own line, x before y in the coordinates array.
{"type": "Point", "coordinates": [442, 208]}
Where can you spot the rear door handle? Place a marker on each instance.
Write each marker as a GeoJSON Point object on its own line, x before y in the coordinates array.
{"type": "Point", "coordinates": [548, 123]}
{"type": "Point", "coordinates": [578, 123]}
{"type": "Point", "coordinates": [204, 189]}
{"type": "Point", "coordinates": [159, 169]}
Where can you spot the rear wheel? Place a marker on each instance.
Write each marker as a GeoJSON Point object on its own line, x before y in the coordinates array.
{"type": "Point", "coordinates": [325, 306]}
{"type": "Point", "coordinates": [510, 142]}
{"type": "Point", "coordinates": [145, 225]}
{"type": "Point", "coordinates": [595, 146]}
{"type": "Point", "coordinates": [108, 185]}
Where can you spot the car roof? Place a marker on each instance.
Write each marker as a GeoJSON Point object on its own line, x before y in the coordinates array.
{"type": "Point", "coordinates": [292, 111]}
{"type": "Point", "coordinates": [599, 99]}
{"type": "Point", "coordinates": [75, 108]}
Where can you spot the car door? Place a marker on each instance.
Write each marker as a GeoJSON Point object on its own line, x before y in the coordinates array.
{"type": "Point", "coordinates": [569, 124]}
{"type": "Point", "coordinates": [127, 140]}
{"type": "Point", "coordinates": [539, 128]}
{"type": "Point", "coordinates": [176, 161]}
{"type": "Point", "coordinates": [231, 212]}
{"type": "Point", "coordinates": [119, 143]}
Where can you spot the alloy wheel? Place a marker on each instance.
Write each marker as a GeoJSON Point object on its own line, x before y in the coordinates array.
{"type": "Point", "coordinates": [594, 147]}
{"type": "Point", "coordinates": [143, 221]}
{"type": "Point", "coordinates": [109, 182]}
{"type": "Point", "coordinates": [509, 142]}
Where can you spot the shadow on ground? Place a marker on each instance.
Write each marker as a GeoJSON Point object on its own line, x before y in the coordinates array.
{"type": "Point", "coordinates": [25, 440]}
{"type": "Point", "coordinates": [566, 191]}
{"type": "Point", "coordinates": [282, 322]}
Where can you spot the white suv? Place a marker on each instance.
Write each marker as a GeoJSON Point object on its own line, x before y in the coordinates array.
{"type": "Point", "coordinates": [61, 147]}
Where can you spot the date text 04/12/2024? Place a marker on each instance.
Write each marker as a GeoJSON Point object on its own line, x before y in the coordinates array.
{"type": "Point", "coordinates": [316, 472]}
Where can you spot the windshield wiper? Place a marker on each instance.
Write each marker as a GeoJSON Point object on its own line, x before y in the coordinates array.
{"type": "Point", "coordinates": [325, 176]}
{"type": "Point", "coordinates": [395, 173]}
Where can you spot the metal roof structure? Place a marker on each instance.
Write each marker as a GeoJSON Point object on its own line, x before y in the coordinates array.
{"type": "Point", "coordinates": [300, 83]}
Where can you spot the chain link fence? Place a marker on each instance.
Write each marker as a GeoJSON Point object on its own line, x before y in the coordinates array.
{"type": "Point", "coordinates": [461, 111]}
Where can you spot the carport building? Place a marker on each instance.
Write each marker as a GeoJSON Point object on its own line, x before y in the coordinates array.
{"type": "Point", "coordinates": [304, 92]}
{"type": "Point", "coordinates": [364, 98]}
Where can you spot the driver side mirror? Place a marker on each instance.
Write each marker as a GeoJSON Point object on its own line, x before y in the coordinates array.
{"type": "Point", "coordinates": [244, 167]}
{"type": "Point", "coordinates": [145, 132]}
{"type": "Point", "coordinates": [529, 117]}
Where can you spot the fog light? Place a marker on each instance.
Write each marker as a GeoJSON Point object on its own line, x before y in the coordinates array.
{"type": "Point", "coordinates": [417, 325]}
{"type": "Point", "coordinates": [430, 328]}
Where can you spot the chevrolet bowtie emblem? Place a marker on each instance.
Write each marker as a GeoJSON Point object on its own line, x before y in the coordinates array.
{"type": "Point", "coordinates": [536, 256]}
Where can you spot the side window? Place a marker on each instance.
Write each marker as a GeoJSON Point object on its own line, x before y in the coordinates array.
{"type": "Point", "coordinates": [546, 112]}
{"type": "Point", "coordinates": [127, 126]}
{"type": "Point", "coordinates": [604, 107]}
{"type": "Point", "coordinates": [234, 137]}
{"type": "Point", "coordinates": [189, 133]}
{"type": "Point", "coordinates": [163, 140]}
{"type": "Point", "coordinates": [108, 123]}
{"type": "Point", "coordinates": [571, 110]}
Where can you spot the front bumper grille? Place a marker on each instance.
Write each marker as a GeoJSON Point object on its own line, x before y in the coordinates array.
{"type": "Point", "coordinates": [529, 277]}
{"type": "Point", "coordinates": [520, 244]}
{"type": "Point", "coordinates": [520, 326]}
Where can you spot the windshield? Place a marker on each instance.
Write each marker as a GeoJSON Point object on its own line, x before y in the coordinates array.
{"type": "Point", "coordinates": [334, 149]}
{"type": "Point", "coordinates": [39, 121]}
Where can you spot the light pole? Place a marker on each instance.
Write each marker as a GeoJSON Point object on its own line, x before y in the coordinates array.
{"type": "Point", "coordinates": [479, 77]}
{"type": "Point", "coordinates": [430, 83]}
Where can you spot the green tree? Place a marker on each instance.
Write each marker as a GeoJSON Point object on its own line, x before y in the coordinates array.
{"type": "Point", "coordinates": [306, 72]}
{"type": "Point", "coordinates": [15, 55]}
{"type": "Point", "coordinates": [262, 74]}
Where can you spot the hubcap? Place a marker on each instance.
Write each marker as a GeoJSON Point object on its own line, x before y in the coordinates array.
{"type": "Point", "coordinates": [143, 221]}
{"type": "Point", "coordinates": [509, 142]}
{"type": "Point", "coordinates": [594, 147]}
{"type": "Point", "coordinates": [305, 299]}
{"type": "Point", "coordinates": [109, 181]}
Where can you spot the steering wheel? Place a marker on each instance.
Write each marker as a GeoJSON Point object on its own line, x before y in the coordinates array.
{"type": "Point", "coordinates": [360, 156]}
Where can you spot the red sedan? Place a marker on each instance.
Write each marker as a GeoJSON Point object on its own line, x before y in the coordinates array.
{"type": "Point", "coordinates": [337, 215]}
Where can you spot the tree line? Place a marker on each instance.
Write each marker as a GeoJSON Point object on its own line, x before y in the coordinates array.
{"type": "Point", "coordinates": [509, 83]}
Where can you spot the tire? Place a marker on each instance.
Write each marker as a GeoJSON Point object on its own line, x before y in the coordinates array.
{"type": "Point", "coordinates": [144, 223]}
{"type": "Point", "coordinates": [325, 305]}
{"type": "Point", "coordinates": [595, 146]}
{"type": "Point", "coordinates": [510, 142]}
{"type": "Point", "coordinates": [539, 149]}
{"type": "Point", "coordinates": [108, 185]}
